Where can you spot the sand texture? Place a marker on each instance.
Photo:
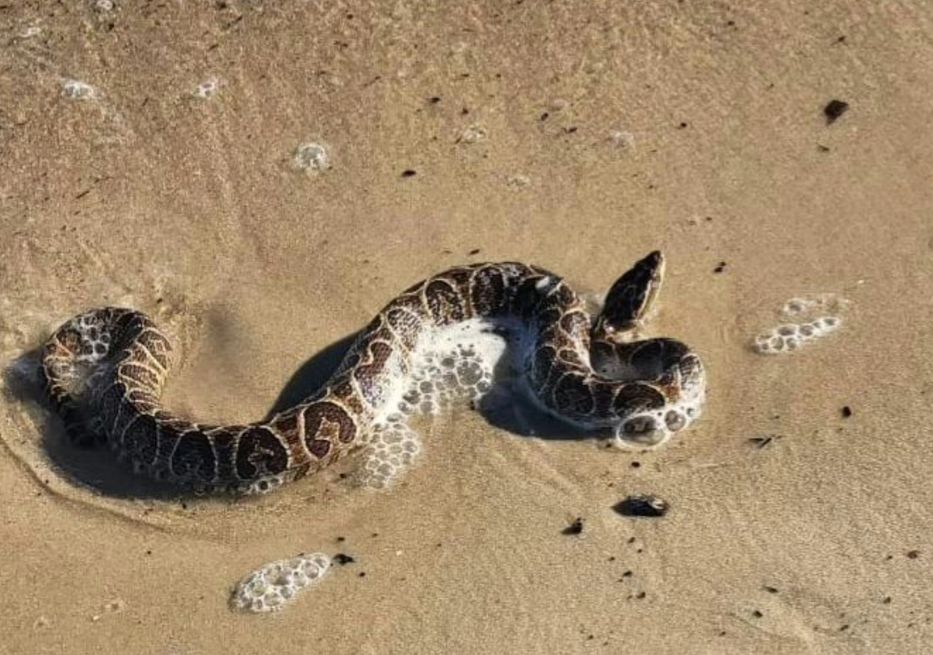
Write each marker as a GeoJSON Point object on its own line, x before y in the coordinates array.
{"type": "Point", "coordinates": [151, 154]}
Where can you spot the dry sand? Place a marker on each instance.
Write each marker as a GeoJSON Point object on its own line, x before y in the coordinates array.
{"type": "Point", "coordinates": [575, 135]}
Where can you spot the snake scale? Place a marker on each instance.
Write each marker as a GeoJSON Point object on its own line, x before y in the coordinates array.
{"type": "Point", "coordinates": [104, 372]}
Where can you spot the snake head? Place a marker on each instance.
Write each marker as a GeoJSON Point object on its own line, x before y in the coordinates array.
{"type": "Point", "coordinates": [630, 298]}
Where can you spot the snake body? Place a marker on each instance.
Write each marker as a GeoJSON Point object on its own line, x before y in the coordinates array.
{"type": "Point", "coordinates": [104, 371]}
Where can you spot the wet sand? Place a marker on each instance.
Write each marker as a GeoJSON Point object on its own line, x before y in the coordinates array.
{"type": "Point", "coordinates": [572, 135]}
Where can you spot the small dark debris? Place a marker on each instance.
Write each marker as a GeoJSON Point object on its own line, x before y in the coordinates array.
{"type": "Point", "coordinates": [841, 39]}
{"type": "Point", "coordinates": [434, 100]}
{"type": "Point", "coordinates": [544, 116]}
{"type": "Point", "coordinates": [763, 441]}
{"type": "Point", "coordinates": [149, 552]}
{"type": "Point", "coordinates": [886, 600]}
{"type": "Point", "coordinates": [635, 465]}
{"type": "Point", "coordinates": [913, 554]}
{"type": "Point", "coordinates": [464, 111]}
{"type": "Point", "coordinates": [340, 540]}
{"type": "Point", "coordinates": [822, 148]}
{"type": "Point", "coordinates": [757, 614]}
{"type": "Point", "coordinates": [834, 109]}
{"type": "Point", "coordinates": [844, 628]}
{"type": "Point", "coordinates": [682, 126]}
{"type": "Point", "coordinates": [571, 129]}
{"type": "Point", "coordinates": [409, 173]}
{"type": "Point", "coordinates": [846, 411]}
{"type": "Point", "coordinates": [184, 505]}
{"type": "Point", "coordinates": [631, 540]}
{"type": "Point", "coordinates": [770, 590]}
{"type": "Point", "coordinates": [720, 267]}
{"type": "Point", "coordinates": [361, 574]}
{"type": "Point", "coordinates": [640, 595]}
{"type": "Point", "coordinates": [475, 251]}
{"type": "Point", "coordinates": [643, 505]}
{"type": "Point", "coordinates": [612, 558]}
{"type": "Point", "coordinates": [628, 574]}
{"type": "Point", "coordinates": [574, 528]}
{"type": "Point", "coordinates": [374, 535]}
{"type": "Point", "coordinates": [343, 559]}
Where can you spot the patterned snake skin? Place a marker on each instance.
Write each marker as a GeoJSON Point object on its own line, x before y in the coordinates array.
{"type": "Point", "coordinates": [104, 371]}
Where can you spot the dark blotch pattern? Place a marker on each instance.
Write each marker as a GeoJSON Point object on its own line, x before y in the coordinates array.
{"type": "Point", "coordinates": [193, 459]}
{"type": "Point", "coordinates": [260, 453]}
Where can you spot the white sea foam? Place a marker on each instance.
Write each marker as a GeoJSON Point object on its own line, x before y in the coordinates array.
{"type": "Point", "coordinates": [272, 586]}
{"type": "Point", "coordinates": [805, 319]}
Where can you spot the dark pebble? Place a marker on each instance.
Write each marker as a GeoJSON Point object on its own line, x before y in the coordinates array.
{"type": "Point", "coordinates": [913, 554]}
{"type": "Point", "coordinates": [646, 505]}
{"type": "Point", "coordinates": [770, 590]}
{"type": "Point", "coordinates": [720, 267]}
{"type": "Point", "coordinates": [887, 600]}
{"type": "Point", "coordinates": [475, 251]}
{"type": "Point", "coordinates": [343, 559]}
{"type": "Point", "coordinates": [846, 411]}
{"type": "Point", "coordinates": [635, 465]}
{"type": "Point", "coordinates": [757, 614]}
{"type": "Point", "coordinates": [361, 574]}
{"type": "Point", "coordinates": [434, 100]}
{"type": "Point", "coordinates": [409, 173]}
{"type": "Point", "coordinates": [340, 540]}
{"type": "Point", "coordinates": [834, 109]}
{"type": "Point", "coordinates": [574, 528]}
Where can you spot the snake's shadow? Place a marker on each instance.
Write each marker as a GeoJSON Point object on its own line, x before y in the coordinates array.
{"type": "Point", "coordinates": [95, 468]}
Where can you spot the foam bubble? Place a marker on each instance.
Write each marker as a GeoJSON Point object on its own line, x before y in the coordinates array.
{"type": "Point", "coordinates": [311, 157]}
{"type": "Point", "coordinates": [206, 89]}
{"type": "Point", "coordinates": [815, 317]}
{"type": "Point", "coordinates": [78, 90]}
{"type": "Point", "coordinates": [273, 586]}
{"type": "Point", "coordinates": [472, 134]}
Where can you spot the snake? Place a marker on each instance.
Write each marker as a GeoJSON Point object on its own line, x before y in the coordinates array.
{"type": "Point", "coordinates": [104, 371]}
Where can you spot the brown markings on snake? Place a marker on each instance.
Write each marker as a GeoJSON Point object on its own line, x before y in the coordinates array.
{"type": "Point", "coordinates": [368, 373]}
{"type": "Point", "coordinates": [444, 302]}
{"type": "Point", "coordinates": [141, 439]}
{"type": "Point", "coordinates": [636, 396]}
{"type": "Point", "coordinates": [328, 421]}
{"type": "Point", "coordinates": [343, 391]}
{"type": "Point", "coordinates": [487, 291]}
{"type": "Point", "coordinates": [193, 458]}
{"type": "Point", "coordinates": [140, 375]}
{"type": "Point", "coordinates": [404, 318]}
{"type": "Point", "coordinates": [260, 453]}
{"type": "Point", "coordinates": [225, 451]}
{"type": "Point", "coordinates": [572, 394]}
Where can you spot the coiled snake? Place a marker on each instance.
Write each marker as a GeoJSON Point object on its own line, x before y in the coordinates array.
{"type": "Point", "coordinates": [104, 371]}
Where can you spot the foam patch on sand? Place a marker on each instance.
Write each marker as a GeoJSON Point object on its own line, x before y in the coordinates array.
{"type": "Point", "coordinates": [273, 586]}
{"type": "Point", "coordinates": [451, 366]}
{"type": "Point", "coordinates": [806, 320]}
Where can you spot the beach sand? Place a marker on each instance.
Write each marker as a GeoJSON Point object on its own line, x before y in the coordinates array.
{"type": "Point", "coordinates": [578, 136]}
